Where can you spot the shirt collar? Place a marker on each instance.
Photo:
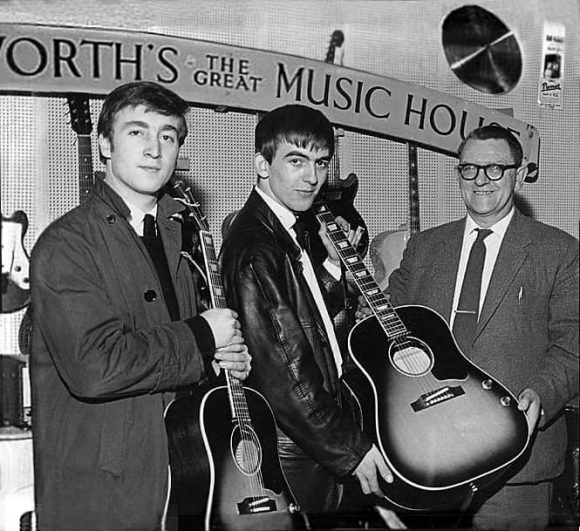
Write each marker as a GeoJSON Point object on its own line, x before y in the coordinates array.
{"type": "Point", "coordinates": [498, 228]}
{"type": "Point", "coordinates": [136, 216]}
{"type": "Point", "coordinates": [285, 215]}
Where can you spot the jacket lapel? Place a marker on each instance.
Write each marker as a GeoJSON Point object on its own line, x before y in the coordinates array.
{"type": "Point", "coordinates": [170, 231]}
{"type": "Point", "coordinates": [511, 256]}
{"type": "Point", "coordinates": [445, 264]}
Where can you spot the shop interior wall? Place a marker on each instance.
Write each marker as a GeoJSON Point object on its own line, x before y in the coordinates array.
{"type": "Point", "coordinates": [395, 38]}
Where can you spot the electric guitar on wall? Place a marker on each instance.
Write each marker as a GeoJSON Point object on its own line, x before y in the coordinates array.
{"type": "Point", "coordinates": [445, 427]}
{"type": "Point", "coordinates": [15, 266]}
{"type": "Point", "coordinates": [386, 249]}
{"type": "Point", "coordinates": [235, 428]}
{"type": "Point", "coordinates": [80, 114]}
{"type": "Point", "coordinates": [338, 193]}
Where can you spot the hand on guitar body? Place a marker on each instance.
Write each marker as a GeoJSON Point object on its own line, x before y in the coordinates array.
{"type": "Point", "coordinates": [530, 403]}
{"type": "Point", "coordinates": [231, 352]}
{"type": "Point", "coordinates": [366, 472]}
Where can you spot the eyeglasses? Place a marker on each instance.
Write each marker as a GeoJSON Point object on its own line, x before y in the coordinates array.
{"type": "Point", "coordinates": [494, 172]}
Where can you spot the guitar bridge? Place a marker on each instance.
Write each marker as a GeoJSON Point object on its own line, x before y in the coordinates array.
{"type": "Point", "coordinates": [255, 505]}
{"type": "Point", "coordinates": [436, 397]}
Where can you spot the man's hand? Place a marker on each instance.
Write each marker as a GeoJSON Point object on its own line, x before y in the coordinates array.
{"type": "Point", "coordinates": [363, 310]}
{"type": "Point", "coordinates": [236, 359]}
{"type": "Point", "coordinates": [224, 325]}
{"type": "Point", "coordinates": [529, 402]}
{"type": "Point", "coordinates": [366, 472]}
{"type": "Point", "coordinates": [231, 352]}
{"type": "Point", "coordinates": [353, 236]}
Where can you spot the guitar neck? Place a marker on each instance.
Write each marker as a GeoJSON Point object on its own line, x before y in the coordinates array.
{"type": "Point", "coordinates": [85, 164]}
{"type": "Point", "coordinates": [238, 402]}
{"type": "Point", "coordinates": [378, 302]}
{"type": "Point", "coordinates": [414, 226]}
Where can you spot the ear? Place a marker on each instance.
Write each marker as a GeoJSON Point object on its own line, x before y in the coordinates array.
{"type": "Point", "coordinates": [262, 166]}
{"type": "Point", "coordinates": [105, 147]}
{"type": "Point", "coordinates": [521, 173]}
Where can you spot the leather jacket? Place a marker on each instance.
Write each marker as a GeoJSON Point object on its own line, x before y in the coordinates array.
{"type": "Point", "coordinates": [292, 362]}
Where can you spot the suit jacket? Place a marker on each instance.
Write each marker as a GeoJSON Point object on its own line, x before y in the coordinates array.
{"type": "Point", "coordinates": [527, 334]}
{"type": "Point", "coordinates": [103, 353]}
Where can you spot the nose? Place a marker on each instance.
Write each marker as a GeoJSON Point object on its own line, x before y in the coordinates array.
{"type": "Point", "coordinates": [152, 147]}
{"type": "Point", "coordinates": [481, 178]}
{"type": "Point", "coordinates": [310, 174]}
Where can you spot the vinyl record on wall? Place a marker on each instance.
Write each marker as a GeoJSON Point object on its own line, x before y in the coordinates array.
{"type": "Point", "coordinates": [481, 50]}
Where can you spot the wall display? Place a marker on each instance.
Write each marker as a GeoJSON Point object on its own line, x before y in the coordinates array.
{"type": "Point", "coordinates": [481, 50]}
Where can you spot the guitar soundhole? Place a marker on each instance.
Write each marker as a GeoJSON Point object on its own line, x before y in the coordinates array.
{"type": "Point", "coordinates": [246, 450]}
{"type": "Point", "coordinates": [411, 356]}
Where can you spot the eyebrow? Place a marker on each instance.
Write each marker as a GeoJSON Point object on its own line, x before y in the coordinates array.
{"type": "Point", "coordinates": [296, 153]}
{"type": "Point", "coordinates": [145, 125]}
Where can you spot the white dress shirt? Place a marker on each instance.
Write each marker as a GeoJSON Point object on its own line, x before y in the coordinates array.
{"type": "Point", "coordinates": [492, 244]}
{"type": "Point", "coordinates": [137, 216]}
{"type": "Point", "coordinates": [287, 218]}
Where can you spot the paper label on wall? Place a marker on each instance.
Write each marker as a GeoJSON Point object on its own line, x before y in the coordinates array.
{"type": "Point", "coordinates": [552, 67]}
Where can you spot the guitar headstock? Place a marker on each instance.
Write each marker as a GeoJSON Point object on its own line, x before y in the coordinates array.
{"type": "Point", "coordinates": [80, 114]}
{"type": "Point", "coordinates": [185, 196]}
{"type": "Point", "coordinates": [336, 41]}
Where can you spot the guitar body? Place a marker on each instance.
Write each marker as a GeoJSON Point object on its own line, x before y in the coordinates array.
{"type": "Point", "coordinates": [445, 427]}
{"type": "Point", "coordinates": [15, 265]}
{"type": "Point", "coordinates": [223, 479]}
{"type": "Point", "coordinates": [386, 252]}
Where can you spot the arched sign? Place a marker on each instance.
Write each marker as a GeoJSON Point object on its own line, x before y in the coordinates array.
{"type": "Point", "coordinates": [42, 59]}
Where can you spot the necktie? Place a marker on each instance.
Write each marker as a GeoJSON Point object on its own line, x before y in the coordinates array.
{"type": "Point", "coordinates": [467, 312]}
{"type": "Point", "coordinates": [149, 231]}
{"type": "Point", "coordinates": [302, 235]}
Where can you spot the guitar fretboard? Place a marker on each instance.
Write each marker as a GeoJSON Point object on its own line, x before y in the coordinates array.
{"type": "Point", "coordinates": [413, 190]}
{"type": "Point", "coordinates": [85, 164]}
{"type": "Point", "coordinates": [216, 290]}
{"type": "Point", "coordinates": [378, 302]}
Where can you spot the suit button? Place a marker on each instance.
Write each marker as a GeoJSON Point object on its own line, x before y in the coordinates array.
{"type": "Point", "coordinates": [150, 295]}
{"type": "Point", "coordinates": [111, 218]}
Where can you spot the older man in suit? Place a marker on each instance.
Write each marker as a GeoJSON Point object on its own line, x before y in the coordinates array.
{"type": "Point", "coordinates": [524, 328]}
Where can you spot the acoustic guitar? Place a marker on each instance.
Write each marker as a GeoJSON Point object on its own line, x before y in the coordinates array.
{"type": "Point", "coordinates": [223, 448]}
{"type": "Point", "coordinates": [445, 427]}
{"type": "Point", "coordinates": [386, 249]}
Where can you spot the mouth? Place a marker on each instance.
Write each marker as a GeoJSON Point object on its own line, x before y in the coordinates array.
{"type": "Point", "coordinates": [150, 168]}
{"type": "Point", "coordinates": [482, 192]}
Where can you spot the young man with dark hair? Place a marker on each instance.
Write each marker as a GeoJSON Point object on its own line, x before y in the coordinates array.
{"type": "Point", "coordinates": [285, 302]}
{"type": "Point", "coordinates": [116, 328]}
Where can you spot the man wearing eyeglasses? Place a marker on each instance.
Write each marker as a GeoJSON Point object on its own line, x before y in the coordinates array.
{"type": "Point", "coordinates": [523, 330]}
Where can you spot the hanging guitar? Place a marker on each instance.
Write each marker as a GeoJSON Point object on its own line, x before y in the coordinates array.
{"type": "Point", "coordinates": [386, 249]}
{"type": "Point", "coordinates": [445, 427]}
{"type": "Point", "coordinates": [80, 120]}
{"type": "Point", "coordinates": [15, 265]}
{"type": "Point", "coordinates": [339, 194]}
{"type": "Point", "coordinates": [247, 489]}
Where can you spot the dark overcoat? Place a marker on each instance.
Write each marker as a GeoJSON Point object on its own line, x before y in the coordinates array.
{"type": "Point", "coordinates": [105, 358]}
